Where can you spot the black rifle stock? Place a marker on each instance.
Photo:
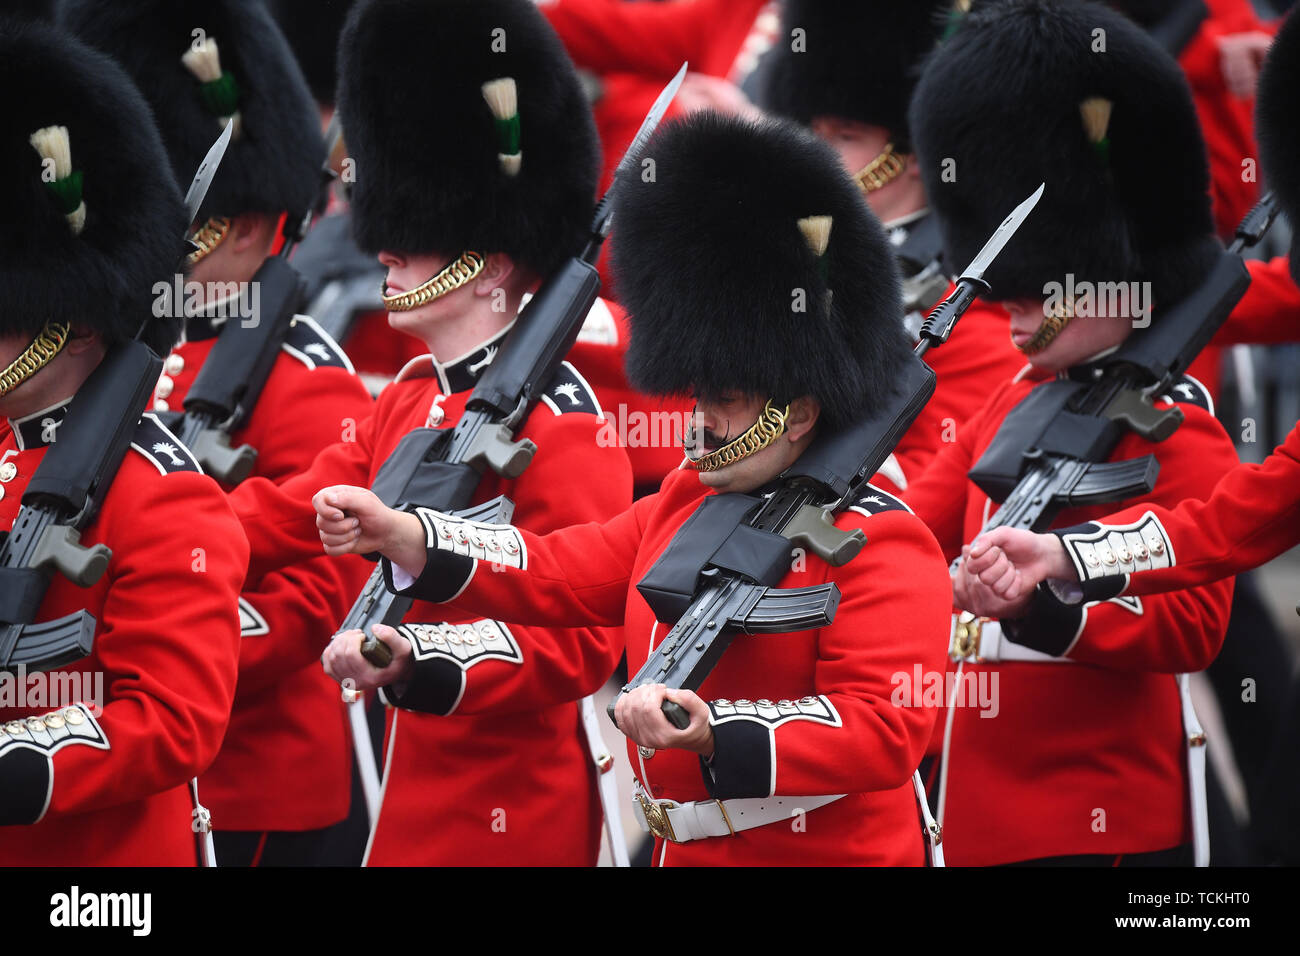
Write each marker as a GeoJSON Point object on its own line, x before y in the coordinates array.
{"type": "Point", "coordinates": [235, 372]}
{"type": "Point", "coordinates": [62, 498]}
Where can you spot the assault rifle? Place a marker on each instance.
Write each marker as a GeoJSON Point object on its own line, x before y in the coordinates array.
{"type": "Point", "coordinates": [66, 492]}
{"type": "Point", "coordinates": [441, 468]}
{"type": "Point", "coordinates": [718, 576]}
{"type": "Point", "coordinates": [1051, 451]}
{"type": "Point", "coordinates": [236, 370]}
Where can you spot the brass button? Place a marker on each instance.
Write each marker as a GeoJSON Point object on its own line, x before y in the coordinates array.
{"type": "Point", "coordinates": [1141, 553]}
{"type": "Point", "coordinates": [35, 724]}
{"type": "Point", "coordinates": [764, 702]}
{"type": "Point", "coordinates": [1157, 547]}
{"type": "Point", "coordinates": [8, 471]}
{"type": "Point", "coordinates": [53, 721]}
{"type": "Point", "coordinates": [165, 386]}
{"type": "Point", "coordinates": [1108, 558]}
{"type": "Point", "coordinates": [471, 639]}
{"type": "Point", "coordinates": [74, 716]}
{"type": "Point", "coordinates": [1126, 557]}
{"type": "Point", "coordinates": [744, 702]}
{"type": "Point", "coordinates": [161, 406]}
{"type": "Point", "coordinates": [645, 752]}
{"type": "Point", "coordinates": [174, 364]}
{"type": "Point", "coordinates": [15, 728]}
{"type": "Point", "coordinates": [1092, 559]}
{"type": "Point", "coordinates": [511, 547]}
{"type": "Point", "coordinates": [722, 702]}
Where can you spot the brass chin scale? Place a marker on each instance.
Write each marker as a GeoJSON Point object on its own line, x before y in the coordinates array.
{"type": "Point", "coordinates": [35, 357]}
{"type": "Point", "coordinates": [1052, 326]}
{"type": "Point", "coordinates": [882, 170]}
{"type": "Point", "coordinates": [210, 235]}
{"type": "Point", "coordinates": [452, 277]}
{"type": "Point", "coordinates": [769, 427]}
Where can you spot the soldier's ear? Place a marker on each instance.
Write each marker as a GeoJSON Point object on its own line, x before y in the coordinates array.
{"type": "Point", "coordinates": [82, 338]}
{"type": "Point", "coordinates": [804, 412]}
{"type": "Point", "coordinates": [251, 229]}
{"type": "Point", "coordinates": [496, 274]}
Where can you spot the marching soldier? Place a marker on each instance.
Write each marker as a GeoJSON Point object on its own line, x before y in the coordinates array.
{"type": "Point", "coordinates": [284, 774]}
{"type": "Point", "coordinates": [1085, 761]}
{"type": "Point", "coordinates": [1253, 514]}
{"type": "Point", "coordinates": [475, 179]}
{"type": "Point", "coordinates": [847, 73]}
{"type": "Point", "coordinates": [707, 257]}
{"type": "Point", "coordinates": [92, 219]}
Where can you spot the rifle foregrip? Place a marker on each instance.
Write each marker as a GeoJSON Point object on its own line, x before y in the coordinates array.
{"type": "Point", "coordinates": [676, 714]}
{"type": "Point", "coordinates": [375, 651]}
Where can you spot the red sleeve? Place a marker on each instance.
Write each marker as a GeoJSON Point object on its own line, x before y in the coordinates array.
{"type": "Point", "coordinates": [168, 644]}
{"type": "Point", "coordinates": [1252, 516]}
{"type": "Point", "coordinates": [288, 616]}
{"type": "Point", "coordinates": [898, 590]}
{"type": "Point", "coordinates": [279, 519]}
{"type": "Point", "coordinates": [1269, 312]}
{"type": "Point", "coordinates": [1180, 631]}
{"type": "Point", "coordinates": [1227, 123]}
{"type": "Point", "coordinates": [572, 577]}
{"type": "Point", "coordinates": [655, 38]}
{"type": "Point", "coordinates": [525, 665]}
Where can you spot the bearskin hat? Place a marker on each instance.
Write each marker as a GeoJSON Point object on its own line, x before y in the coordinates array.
{"type": "Point", "coordinates": [312, 28]}
{"type": "Point", "coordinates": [857, 61]}
{"type": "Point", "coordinates": [1076, 96]}
{"type": "Point", "coordinates": [437, 169]}
{"type": "Point", "coordinates": [1275, 125]}
{"type": "Point", "coordinates": [724, 288]}
{"type": "Point", "coordinates": [83, 236]}
{"type": "Point", "coordinates": [273, 164]}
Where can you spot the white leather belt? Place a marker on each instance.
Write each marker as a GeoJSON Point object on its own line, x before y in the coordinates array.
{"type": "Point", "coordinates": [683, 822]}
{"type": "Point", "coordinates": [980, 639]}
{"type": "Point", "coordinates": [607, 782]}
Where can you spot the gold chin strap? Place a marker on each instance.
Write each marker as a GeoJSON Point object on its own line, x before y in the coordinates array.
{"type": "Point", "coordinates": [1052, 326]}
{"type": "Point", "coordinates": [210, 235]}
{"type": "Point", "coordinates": [768, 428]}
{"type": "Point", "coordinates": [882, 170]}
{"type": "Point", "coordinates": [455, 275]}
{"type": "Point", "coordinates": [35, 357]}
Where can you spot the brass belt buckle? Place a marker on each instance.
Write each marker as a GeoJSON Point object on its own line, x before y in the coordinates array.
{"type": "Point", "coordinates": [966, 636]}
{"type": "Point", "coordinates": [656, 818]}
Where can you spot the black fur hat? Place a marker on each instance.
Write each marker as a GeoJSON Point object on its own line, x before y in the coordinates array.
{"type": "Point", "coordinates": [858, 61]}
{"type": "Point", "coordinates": [1000, 108]}
{"type": "Point", "coordinates": [274, 162]}
{"type": "Point", "coordinates": [132, 234]}
{"type": "Point", "coordinates": [1276, 105]}
{"type": "Point", "coordinates": [312, 28]}
{"type": "Point", "coordinates": [725, 292]}
{"type": "Point", "coordinates": [430, 172]}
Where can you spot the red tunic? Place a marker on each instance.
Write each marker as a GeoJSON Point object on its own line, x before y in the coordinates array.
{"type": "Point", "coordinates": [506, 778]}
{"type": "Point", "coordinates": [164, 658]}
{"type": "Point", "coordinates": [976, 359]}
{"type": "Point", "coordinates": [287, 758]}
{"type": "Point", "coordinates": [1063, 745]}
{"type": "Point", "coordinates": [1269, 312]}
{"type": "Point", "coordinates": [853, 737]}
{"type": "Point", "coordinates": [1252, 517]}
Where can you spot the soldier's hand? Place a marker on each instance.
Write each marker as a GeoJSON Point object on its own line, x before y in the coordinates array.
{"type": "Point", "coordinates": [354, 521]}
{"type": "Point", "coordinates": [639, 714]}
{"type": "Point", "coordinates": [971, 594]}
{"type": "Point", "coordinates": [343, 660]}
{"type": "Point", "coordinates": [1013, 562]}
{"type": "Point", "coordinates": [1240, 57]}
